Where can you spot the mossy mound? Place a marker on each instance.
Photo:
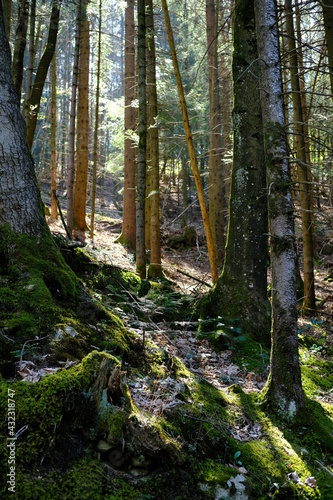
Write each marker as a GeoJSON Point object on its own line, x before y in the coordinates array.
{"type": "Point", "coordinates": [42, 299]}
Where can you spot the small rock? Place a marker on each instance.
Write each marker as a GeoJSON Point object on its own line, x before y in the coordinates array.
{"type": "Point", "coordinates": [70, 330]}
{"type": "Point", "coordinates": [58, 334]}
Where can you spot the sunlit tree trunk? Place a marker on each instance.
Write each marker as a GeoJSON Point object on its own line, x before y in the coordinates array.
{"type": "Point", "coordinates": [19, 46]}
{"type": "Point", "coordinates": [190, 145]}
{"type": "Point", "coordinates": [155, 268]}
{"type": "Point", "coordinates": [37, 88]}
{"type": "Point", "coordinates": [241, 291]}
{"type": "Point", "coordinates": [72, 115]}
{"type": "Point", "coordinates": [128, 235]}
{"type": "Point", "coordinates": [284, 386]}
{"type": "Point", "coordinates": [96, 156]}
{"type": "Point", "coordinates": [142, 148]}
{"type": "Point", "coordinates": [81, 177]}
{"type": "Point", "coordinates": [216, 188]}
{"type": "Point", "coordinates": [309, 304]}
{"type": "Point", "coordinates": [53, 140]}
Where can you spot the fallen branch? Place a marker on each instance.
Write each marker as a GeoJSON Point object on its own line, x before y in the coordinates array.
{"type": "Point", "coordinates": [61, 216]}
{"type": "Point", "coordinates": [193, 278]}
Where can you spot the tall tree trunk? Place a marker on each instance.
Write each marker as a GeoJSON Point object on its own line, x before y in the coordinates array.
{"type": "Point", "coordinates": [96, 156]}
{"type": "Point", "coordinates": [81, 178]}
{"type": "Point", "coordinates": [241, 291]}
{"type": "Point", "coordinates": [305, 114]}
{"type": "Point", "coordinates": [20, 203]}
{"type": "Point", "coordinates": [43, 66]}
{"type": "Point", "coordinates": [327, 6]}
{"type": "Point", "coordinates": [155, 268]}
{"type": "Point", "coordinates": [190, 145]}
{"type": "Point", "coordinates": [216, 188]}
{"type": "Point", "coordinates": [31, 56]}
{"type": "Point", "coordinates": [72, 115]}
{"type": "Point", "coordinates": [7, 14]}
{"type": "Point", "coordinates": [309, 304]}
{"type": "Point", "coordinates": [142, 131]}
{"type": "Point", "coordinates": [128, 235]}
{"type": "Point", "coordinates": [53, 140]}
{"type": "Point", "coordinates": [284, 386]}
{"type": "Point", "coordinates": [19, 46]}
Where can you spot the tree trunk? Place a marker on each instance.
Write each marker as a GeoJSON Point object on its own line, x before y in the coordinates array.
{"type": "Point", "coordinates": [31, 56]}
{"type": "Point", "coordinates": [98, 76]}
{"type": "Point", "coordinates": [7, 14]}
{"type": "Point", "coordinates": [241, 291]}
{"type": "Point", "coordinates": [309, 305]}
{"type": "Point", "coordinates": [190, 145]}
{"type": "Point", "coordinates": [54, 207]}
{"type": "Point", "coordinates": [327, 6]}
{"type": "Point", "coordinates": [20, 203]}
{"type": "Point", "coordinates": [142, 131]}
{"type": "Point", "coordinates": [155, 268]}
{"type": "Point", "coordinates": [72, 115]}
{"type": "Point", "coordinates": [185, 175]}
{"type": "Point", "coordinates": [128, 235]}
{"type": "Point", "coordinates": [216, 188]}
{"type": "Point", "coordinates": [284, 386]}
{"type": "Point", "coordinates": [38, 85]}
{"type": "Point", "coordinates": [19, 46]}
{"type": "Point", "coordinates": [81, 178]}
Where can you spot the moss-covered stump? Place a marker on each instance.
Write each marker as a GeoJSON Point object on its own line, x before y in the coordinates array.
{"type": "Point", "coordinates": [82, 412]}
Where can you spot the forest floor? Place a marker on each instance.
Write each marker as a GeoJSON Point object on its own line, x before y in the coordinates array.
{"type": "Point", "coordinates": [197, 387]}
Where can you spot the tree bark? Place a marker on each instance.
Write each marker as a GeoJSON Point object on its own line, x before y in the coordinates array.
{"type": "Point", "coordinates": [72, 116]}
{"type": "Point", "coordinates": [190, 145]}
{"type": "Point", "coordinates": [216, 188]}
{"type": "Point", "coordinates": [98, 76]}
{"type": "Point", "coordinates": [54, 208]}
{"type": "Point", "coordinates": [309, 304]}
{"type": "Point", "coordinates": [30, 56]}
{"type": "Point", "coordinates": [128, 235]}
{"type": "Point", "coordinates": [37, 88]}
{"type": "Point", "coordinates": [284, 386]}
{"type": "Point", "coordinates": [19, 46]}
{"type": "Point", "coordinates": [20, 203]}
{"type": "Point", "coordinates": [327, 6]}
{"type": "Point", "coordinates": [155, 267]}
{"type": "Point", "coordinates": [241, 291]}
{"type": "Point", "coordinates": [7, 14]}
{"type": "Point", "coordinates": [81, 177]}
{"type": "Point", "coordinates": [142, 148]}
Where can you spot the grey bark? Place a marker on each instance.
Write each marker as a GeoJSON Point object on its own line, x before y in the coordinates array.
{"type": "Point", "coordinates": [20, 203]}
{"type": "Point", "coordinates": [284, 385]}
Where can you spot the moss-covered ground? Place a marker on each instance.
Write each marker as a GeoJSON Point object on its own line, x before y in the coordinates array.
{"type": "Point", "coordinates": [81, 430]}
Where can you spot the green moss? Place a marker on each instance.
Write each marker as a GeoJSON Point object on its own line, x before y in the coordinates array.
{"type": "Point", "coordinates": [210, 471]}
{"type": "Point", "coordinates": [233, 303]}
